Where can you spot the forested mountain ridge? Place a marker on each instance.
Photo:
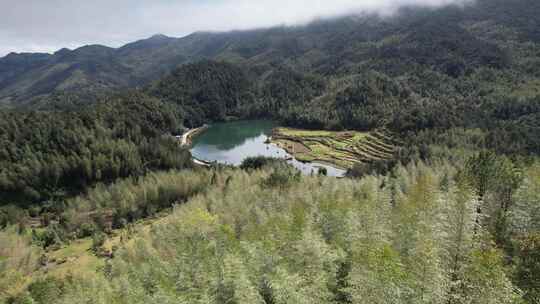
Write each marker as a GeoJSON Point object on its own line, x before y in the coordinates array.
{"type": "Point", "coordinates": [457, 66]}
{"type": "Point", "coordinates": [451, 40]}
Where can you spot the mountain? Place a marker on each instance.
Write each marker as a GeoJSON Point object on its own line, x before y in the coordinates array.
{"type": "Point", "coordinates": [434, 69]}
{"type": "Point", "coordinates": [89, 68]}
{"type": "Point", "coordinates": [453, 40]}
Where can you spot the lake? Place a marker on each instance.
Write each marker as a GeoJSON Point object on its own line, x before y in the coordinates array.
{"type": "Point", "coordinates": [232, 142]}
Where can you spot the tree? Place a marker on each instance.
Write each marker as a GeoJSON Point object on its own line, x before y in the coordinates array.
{"type": "Point", "coordinates": [460, 210]}
{"type": "Point", "coordinates": [98, 240]}
{"type": "Point", "coordinates": [528, 269]}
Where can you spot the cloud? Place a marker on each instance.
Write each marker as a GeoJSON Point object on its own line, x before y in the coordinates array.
{"type": "Point", "coordinates": [38, 25]}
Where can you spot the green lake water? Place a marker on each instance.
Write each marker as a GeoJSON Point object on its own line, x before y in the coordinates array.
{"type": "Point", "coordinates": [232, 142]}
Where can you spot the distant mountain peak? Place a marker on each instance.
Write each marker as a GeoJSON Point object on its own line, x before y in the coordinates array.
{"type": "Point", "coordinates": [154, 41]}
{"type": "Point", "coordinates": [62, 51]}
{"type": "Point", "coordinates": [22, 57]}
{"type": "Point", "coordinates": [160, 37]}
{"type": "Point", "coordinates": [94, 47]}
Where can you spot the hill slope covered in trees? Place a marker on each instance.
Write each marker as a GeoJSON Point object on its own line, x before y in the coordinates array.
{"type": "Point", "coordinates": [264, 236]}
{"type": "Point", "coordinates": [48, 155]}
{"type": "Point", "coordinates": [474, 66]}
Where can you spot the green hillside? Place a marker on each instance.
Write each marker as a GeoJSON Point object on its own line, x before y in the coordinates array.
{"type": "Point", "coordinates": [251, 237]}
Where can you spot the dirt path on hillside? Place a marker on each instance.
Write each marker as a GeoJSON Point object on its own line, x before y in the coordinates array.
{"type": "Point", "coordinates": [185, 140]}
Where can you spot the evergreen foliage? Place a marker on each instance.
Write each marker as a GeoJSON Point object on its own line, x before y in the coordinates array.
{"type": "Point", "coordinates": [454, 218]}
{"type": "Point", "coordinates": [46, 155]}
{"type": "Point", "coordinates": [409, 237]}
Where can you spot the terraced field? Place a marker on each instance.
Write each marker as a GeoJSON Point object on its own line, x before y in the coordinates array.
{"type": "Point", "coordinates": [343, 149]}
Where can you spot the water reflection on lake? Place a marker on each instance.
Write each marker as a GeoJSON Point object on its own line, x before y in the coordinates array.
{"type": "Point", "coordinates": [232, 142]}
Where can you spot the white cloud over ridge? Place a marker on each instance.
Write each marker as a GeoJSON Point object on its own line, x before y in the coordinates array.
{"type": "Point", "coordinates": [38, 25]}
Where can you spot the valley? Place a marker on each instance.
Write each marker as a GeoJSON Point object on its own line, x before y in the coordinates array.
{"type": "Point", "coordinates": [390, 159]}
{"type": "Point", "coordinates": [230, 143]}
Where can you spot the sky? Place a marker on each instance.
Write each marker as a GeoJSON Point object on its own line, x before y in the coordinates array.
{"type": "Point", "coordinates": [49, 25]}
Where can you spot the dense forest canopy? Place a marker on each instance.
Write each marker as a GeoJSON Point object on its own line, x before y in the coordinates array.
{"type": "Point", "coordinates": [87, 158]}
{"type": "Point", "coordinates": [44, 154]}
{"type": "Point", "coordinates": [471, 66]}
{"type": "Point", "coordinates": [268, 235]}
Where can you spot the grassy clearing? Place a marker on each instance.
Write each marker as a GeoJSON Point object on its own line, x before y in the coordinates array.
{"type": "Point", "coordinates": [342, 149]}
{"type": "Point", "coordinates": [527, 89]}
{"type": "Point", "coordinates": [20, 260]}
{"type": "Point", "coordinates": [76, 258]}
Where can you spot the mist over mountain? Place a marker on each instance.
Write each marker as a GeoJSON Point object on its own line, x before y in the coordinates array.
{"type": "Point", "coordinates": [44, 27]}
{"type": "Point", "coordinates": [467, 35]}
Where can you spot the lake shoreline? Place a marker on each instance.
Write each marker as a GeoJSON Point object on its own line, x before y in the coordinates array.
{"type": "Point", "coordinates": [341, 149]}
{"type": "Point", "coordinates": [293, 147]}
{"type": "Point", "coordinates": [230, 143]}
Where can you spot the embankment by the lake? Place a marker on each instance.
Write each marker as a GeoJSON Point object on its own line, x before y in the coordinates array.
{"type": "Point", "coordinates": [186, 139]}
